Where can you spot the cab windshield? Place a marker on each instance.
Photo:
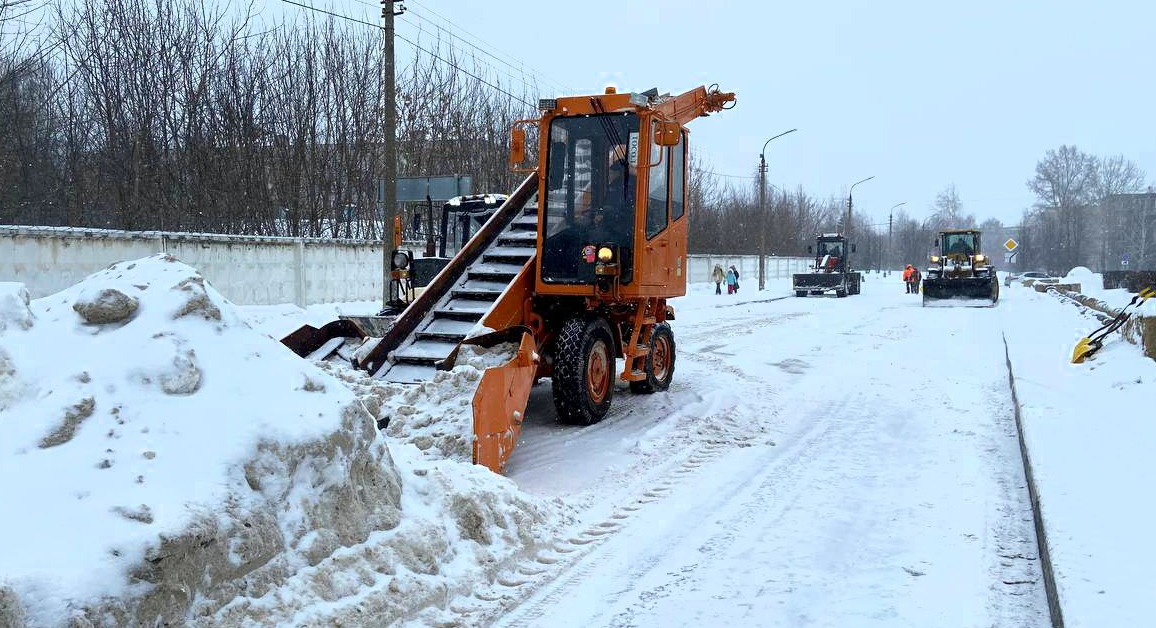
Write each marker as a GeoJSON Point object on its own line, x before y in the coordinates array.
{"type": "Point", "coordinates": [591, 169]}
{"type": "Point", "coordinates": [959, 244]}
{"type": "Point", "coordinates": [834, 249]}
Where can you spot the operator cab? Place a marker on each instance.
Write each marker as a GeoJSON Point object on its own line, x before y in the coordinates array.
{"type": "Point", "coordinates": [462, 216]}
{"type": "Point", "coordinates": [591, 171]}
{"type": "Point", "coordinates": [962, 244]}
{"type": "Point", "coordinates": [830, 252]}
{"type": "Point", "coordinates": [612, 202]}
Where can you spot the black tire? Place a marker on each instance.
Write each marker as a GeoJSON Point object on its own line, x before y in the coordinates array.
{"type": "Point", "coordinates": [840, 292]}
{"type": "Point", "coordinates": [661, 345]}
{"type": "Point", "coordinates": [800, 293]}
{"type": "Point", "coordinates": [581, 344]}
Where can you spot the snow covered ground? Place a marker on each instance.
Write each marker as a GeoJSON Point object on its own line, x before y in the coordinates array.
{"type": "Point", "coordinates": [817, 462]}
{"type": "Point", "coordinates": [1090, 431]}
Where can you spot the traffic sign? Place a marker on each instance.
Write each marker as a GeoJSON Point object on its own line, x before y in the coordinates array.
{"type": "Point", "coordinates": [1124, 260]}
{"type": "Point", "coordinates": [1011, 244]}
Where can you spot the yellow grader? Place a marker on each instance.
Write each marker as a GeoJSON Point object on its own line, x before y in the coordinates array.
{"type": "Point", "coordinates": [575, 268]}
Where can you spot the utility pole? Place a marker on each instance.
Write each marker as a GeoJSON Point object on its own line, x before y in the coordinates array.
{"type": "Point", "coordinates": [763, 210]}
{"type": "Point", "coordinates": [847, 224]}
{"type": "Point", "coordinates": [762, 221]}
{"type": "Point", "coordinates": [389, 170]}
{"type": "Point", "coordinates": [890, 219]}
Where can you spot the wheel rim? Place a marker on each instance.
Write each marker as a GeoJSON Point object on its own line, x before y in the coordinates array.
{"type": "Point", "coordinates": [660, 358]}
{"type": "Point", "coordinates": [598, 372]}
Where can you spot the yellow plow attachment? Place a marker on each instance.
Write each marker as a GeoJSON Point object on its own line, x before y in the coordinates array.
{"type": "Point", "coordinates": [1094, 341]}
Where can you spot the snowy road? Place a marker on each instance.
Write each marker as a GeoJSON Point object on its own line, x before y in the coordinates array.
{"type": "Point", "coordinates": [819, 462]}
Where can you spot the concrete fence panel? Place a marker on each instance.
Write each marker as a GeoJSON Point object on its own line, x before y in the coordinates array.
{"type": "Point", "coordinates": [256, 270]}
{"type": "Point", "coordinates": [247, 270]}
{"type": "Point", "coordinates": [700, 265]}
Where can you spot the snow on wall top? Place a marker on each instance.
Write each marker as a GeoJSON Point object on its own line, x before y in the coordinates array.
{"type": "Point", "coordinates": [128, 404]}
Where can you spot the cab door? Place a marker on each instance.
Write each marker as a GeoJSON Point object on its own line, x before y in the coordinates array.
{"type": "Point", "coordinates": [662, 239]}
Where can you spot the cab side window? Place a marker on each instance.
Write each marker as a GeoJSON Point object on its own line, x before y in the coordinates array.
{"type": "Point", "coordinates": [677, 178]}
{"type": "Point", "coordinates": [656, 198]}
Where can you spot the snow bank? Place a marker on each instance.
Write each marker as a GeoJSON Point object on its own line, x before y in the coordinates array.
{"type": "Point", "coordinates": [1089, 435]}
{"type": "Point", "coordinates": [436, 416]}
{"type": "Point", "coordinates": [159, 458]}
{"type": "Point", "coordinates": [162, 462]}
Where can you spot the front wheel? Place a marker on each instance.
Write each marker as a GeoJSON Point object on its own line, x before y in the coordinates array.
{"type": "Point", "coordinates": [584, 371]}
{"type": "Point", "coordinates": [659, 362]}
{"type": "Point", "coordinates": [800, 293]}
{"type": "Point", "coordinates": [840, 293]}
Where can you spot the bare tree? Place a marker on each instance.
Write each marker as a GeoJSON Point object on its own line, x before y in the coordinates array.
{"type": "Point", "coordinates": [947, 211]}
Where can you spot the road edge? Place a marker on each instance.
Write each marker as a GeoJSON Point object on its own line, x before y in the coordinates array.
{"type": "Point", "coordinates": [1046, 568]}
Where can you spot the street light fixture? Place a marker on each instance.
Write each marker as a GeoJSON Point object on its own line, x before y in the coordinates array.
{"type": "Point", "coordinates": [763, 210]}
{"type": "Point", "coordinates": [847, 224]}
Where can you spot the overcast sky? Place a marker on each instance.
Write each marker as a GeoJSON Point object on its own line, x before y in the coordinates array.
{"type": "Point", "coordinates": [919, 94]}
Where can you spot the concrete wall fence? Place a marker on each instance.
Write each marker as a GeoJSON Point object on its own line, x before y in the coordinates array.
{"type": "Point", "coordinates": [254, 270]}
{"type": "Point", "coordinates": [699, 266]}
{"type": "Point", "coordinates": [248, 270]}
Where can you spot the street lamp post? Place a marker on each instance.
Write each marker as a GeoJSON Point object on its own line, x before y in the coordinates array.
{"type": "Point", "coordinates": [890, 222]}
{"type": "Point", "coordinates": [847, 224]}
{"type": "Point", "coordinates": [763, 210]}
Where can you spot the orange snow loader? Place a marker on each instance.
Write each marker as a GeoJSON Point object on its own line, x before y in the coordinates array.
{"type": "Point", "coordinates": [574, 269]}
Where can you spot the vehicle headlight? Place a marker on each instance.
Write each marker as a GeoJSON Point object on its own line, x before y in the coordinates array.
{"type": "Point", "coordinates": [454, 202]}
{"type": "Point", "coordinates": [400, 260]}
{"type": "Point", "coordinates": [488, 199]}
{"type": "Point", "coordinates": [981, 258]}
{"type": "Point", "coordinates": [934, 259]}
{"type": "Point", "coordinates": [605, 254]}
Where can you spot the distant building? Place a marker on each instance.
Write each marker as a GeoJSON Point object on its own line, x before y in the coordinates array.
{"type": "Point", "coordinates": [1129, 231]}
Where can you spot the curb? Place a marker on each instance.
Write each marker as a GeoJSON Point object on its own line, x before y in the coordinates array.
{"type": "Point", "coordinates": [1050, 589]}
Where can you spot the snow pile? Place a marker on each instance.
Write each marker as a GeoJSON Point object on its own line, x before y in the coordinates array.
{"type": "Point", "coordinates": [436, 416]}
{"type": "Point", "coordinates": [463, 525]}
{"type": "Point", "coordinates": [1091, 283]}
{"type": "Point", "coordinates": [159, 458]}
{"type": "Point", "coordinates": [162, 462]}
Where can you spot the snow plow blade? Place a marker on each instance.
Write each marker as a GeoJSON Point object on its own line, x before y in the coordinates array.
{"type": "Point", "coordinates": [319, 343]}
{"type": "Point", "coordinates": [975, 291]}
{"type": "Point", "coordinates": [500, 401]}
{"type": "Point", "coordinates": [816, 281]}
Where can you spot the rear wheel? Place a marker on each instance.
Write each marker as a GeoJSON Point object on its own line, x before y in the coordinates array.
{"type": "Point", "coordinates": [584, 371]}
{"type": "Point", "coordinates": [659, 363]}
{"type": "Point", "coordinates": [800, 293]}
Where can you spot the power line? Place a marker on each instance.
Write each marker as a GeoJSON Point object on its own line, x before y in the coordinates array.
{"type": "Point", "coordinates": [517, 66]}
{"type": "Point", "coordinates": [512, 77]}
{"type": "Point", "coordinates": [729, 176]}
{"type": "Point", "coordinates": [417, 46]}
{"type": "Point", "coordinates": [520, 63]}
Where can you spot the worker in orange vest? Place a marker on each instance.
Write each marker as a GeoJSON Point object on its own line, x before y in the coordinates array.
{"type": "Point", "coordinates": [907, 277]}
